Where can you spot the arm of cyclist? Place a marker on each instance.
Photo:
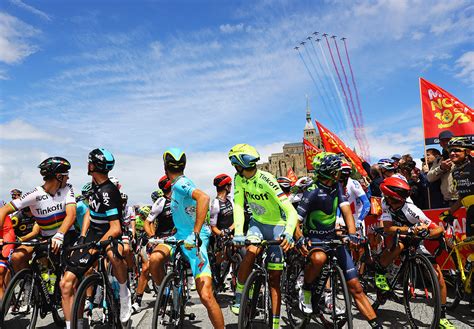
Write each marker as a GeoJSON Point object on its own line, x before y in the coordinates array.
{"type": "Point", "coordinates": [365, 207]}
{"type": "Point", "coordinates": [239, 217]}
{"type": "Point", "coordinates": [213, 215]}
{"type": "Point", "coordinates": [4, 212]}
{"type": "Point", "coordinates": [202, 206]}
{"type": "Point", "coordinates": [57, 240]}
{"type": "Point", "coordinates": [300, 242]}
{"type": "Point", "coordinates": [34, 232]}
{"type": "Point", "coordinates": [86, 222]}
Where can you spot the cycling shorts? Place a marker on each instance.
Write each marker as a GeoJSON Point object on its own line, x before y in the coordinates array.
{"type": "Point", "coordinates": [344, 258]}
{"type": "Point", "coordinates": [199, 264]}
{"type": "Point", "coordinates": [268, 232]}
{"type": "Point", "coordinates": [82, 259]}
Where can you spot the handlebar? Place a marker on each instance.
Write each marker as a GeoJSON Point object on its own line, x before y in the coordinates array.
{"type": "Point", "coordinates": [262, 243]}
{"type": "Point", "coordinates": [165, 241]}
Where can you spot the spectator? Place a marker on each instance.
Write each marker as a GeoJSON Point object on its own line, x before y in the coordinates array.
{"type": "Point", "coordinates": [415, 179]}
{"type": "Point", "coordinates": [376, 178]}
{"type": "Point", "coordinates": [396, 159]}
{"type": "Point", "coordinates": [442, 170]}
{"type": "Point", "coordinates": [433, 191]}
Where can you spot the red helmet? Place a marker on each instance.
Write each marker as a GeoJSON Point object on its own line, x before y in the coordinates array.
{"type": "Point", "coordinates": [346, 168]}
{"type": "Point", "coordinates": [396, 188]}
{"type": "Point", "coordinates": [222, 180]}
{"type": "Point", "coordinates": [164, 183]}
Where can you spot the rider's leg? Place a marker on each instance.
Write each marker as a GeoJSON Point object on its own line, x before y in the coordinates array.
{"type": "Point", "coordinates": [142, 282]}
{"type": "Point", "coordinates": [158, 259]}
{"type": "Point", "coordinates": [3, 277]}
{"type": "Point", "coordinates": [20, 257]}
{"type": "Point", "coordinates": [274, 281]}
{"type": "Point", "coordinates": [119, 268]}
{"type": "Point", "coordinates": [204, 289]}
{"type": "Point", "coordinates": [68, 284]}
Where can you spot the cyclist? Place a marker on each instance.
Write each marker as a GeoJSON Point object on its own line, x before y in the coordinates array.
{"type": "Point", "coordinates": [53, 206]}
{"type": "Point", "coordinates": [189, 207]}
{"type": "Point", "coordinates": [128, 233]}
{"type": "Point", "coordinates": [16, 193]}
{"type": "Point", "coordinates": [267, 202]}
{"type": "Point", "coordinates": [155, 195]}
{"type": "Point", "coordinates": [102, 220]}
{"type": "Point", "coordinates": [401, 214]}
{"type": "Point", "coordinates": [317, 212]}
{"type": "Point", "coordinates": [23, 223]}
{"type": "Point", "coordinates": [7, 233]}
{"type": "Point", "coordinates": [83, 205]}
{"type": "Point", "coordinates": [388, 168]}
{"type": "Point", "coordinates": [463, 176]}
{"type": "Point", "coordinates": [303, 184]}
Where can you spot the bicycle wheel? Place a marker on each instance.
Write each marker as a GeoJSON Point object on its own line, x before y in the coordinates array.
{"type": "Point", "coordinates": [234, 270]}
{"type": "Point", "coordinates": [339, 314]}
{"type": "Point", "coordinates": [95, 311]}
{"type": "Point", "coordinates": [421, 293]}
{"type": "Point", "coordinates": [454, 287]}
{"type": "Point", "coordinates": [255, 305]}
{"type": "Point", "coordinates": [169, 306]}
{"type": "Point", "coordinates": [21, 301]}
{"type": "Point", "coordinates": [292, 279]}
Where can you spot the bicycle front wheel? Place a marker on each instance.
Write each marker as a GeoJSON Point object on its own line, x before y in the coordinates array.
{"type": "Point", "coordinates": [92, 307]}
{"type": "Point", "coordinates": [21, 301]}
{"type": "Point", "coordinates": [255, 305]}
{"type": "Point", "coordinates": [421, 293]}
{"type": "Point", "coordinates": [169, 306]}
{"type": "Point", "coordinates": [335, 306]}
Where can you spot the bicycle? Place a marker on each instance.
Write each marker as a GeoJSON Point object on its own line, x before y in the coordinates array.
{"type": "Point", "coordinates": [340, 314]}
{"type": "Point", "coordinates": [105, 307]}
{"type": "Point", "coordinates": [173, 292]}
{"type": "Point", "coordinates": [255, 305]}
{"type": "Point", "coordinates": [417, 279]}
{"type": "Point", "coordinates": [231, 262]}
{"type": "Point", "coordinates": [460, 281]}
{"type": "Point", "coordinates": [30, 292]}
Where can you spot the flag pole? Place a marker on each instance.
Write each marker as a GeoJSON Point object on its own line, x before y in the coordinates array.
{"type": "Point", "coordinates": [424, 143]}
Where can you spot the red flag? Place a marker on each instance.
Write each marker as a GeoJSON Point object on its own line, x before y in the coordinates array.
{"type": "Point", "coordinates": [309, 152]}
{"type": "Point", "coordinates": [332, 143]}
{"type": "Point", "coordinates": [292, 176]}
{"type": "Point", "coordinates": [442, 111]}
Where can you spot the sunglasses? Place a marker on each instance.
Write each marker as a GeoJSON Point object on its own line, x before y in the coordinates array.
{"type": "Point", "coordinates": [456, 150]}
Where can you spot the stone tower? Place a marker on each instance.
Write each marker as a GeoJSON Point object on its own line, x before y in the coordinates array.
{"type": "Point", "coordinates": [309, 132]}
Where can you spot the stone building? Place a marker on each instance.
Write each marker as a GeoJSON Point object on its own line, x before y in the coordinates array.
{"type": "Point", "coordinates": [293, 153]}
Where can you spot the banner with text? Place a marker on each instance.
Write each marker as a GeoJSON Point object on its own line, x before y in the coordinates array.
{"type": "Point", "coordinates": [442, 111]}
{"type": "Point", "coordinates": [310, 152]}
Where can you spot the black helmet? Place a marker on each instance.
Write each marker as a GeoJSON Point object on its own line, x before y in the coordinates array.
{"type": "Point", "coordinates": [102, 159]}
{"type": "Point", "coordinates": [330, 166]}
{"type": "Point", "coordinates": [54, 165]}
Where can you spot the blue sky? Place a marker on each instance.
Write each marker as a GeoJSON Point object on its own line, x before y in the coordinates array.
{"type": "Point", "coordinates": [139, 76]}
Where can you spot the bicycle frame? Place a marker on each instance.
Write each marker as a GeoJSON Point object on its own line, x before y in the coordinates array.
{"type": "Point", "coordinates": [457, 259]}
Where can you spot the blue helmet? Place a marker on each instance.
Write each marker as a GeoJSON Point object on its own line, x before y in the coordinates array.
{"type": "Point", "coordinates": [102, 160]}
{"type": "Point", "coordinates": [175, 159]}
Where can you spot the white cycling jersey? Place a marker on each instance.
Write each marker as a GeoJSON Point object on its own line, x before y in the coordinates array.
{"type": "Point", "coordinates": [48, 210]}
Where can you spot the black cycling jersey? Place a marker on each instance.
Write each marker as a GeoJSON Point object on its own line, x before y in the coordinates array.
{"type": "Point", "coordinates": [222, 213]}
{"type": "Point", "coordinates": [22, 223]}
{"type": "Point", "coordinates": [463, 176]}
{"type": "Point", "coordinates": [105, 205]}
{"type": "Point", "coordinates": [160, 214]}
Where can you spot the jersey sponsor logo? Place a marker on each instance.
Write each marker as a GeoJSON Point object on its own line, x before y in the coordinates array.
{"type": "Point", "coordinates": [191, 210]}
{"type": "Point", "coordinates": [270, 183]}
{"type": "Point", "coordinates": [252, 196]}
{"type": "Point", "coordinates": [257, 209]}
{"type": "Point", "coordinates": [26, 194]}
{"type": "Point", "coordinates": [49, 209]}
{"type": "Point", "coordinates": [106, 198]}
{"type": "Point", "coordinates": [413, 214]}
{"type": "Point", "coordinates": [94, 204]}
{"type": "Point", "coordinates": [41, 197]}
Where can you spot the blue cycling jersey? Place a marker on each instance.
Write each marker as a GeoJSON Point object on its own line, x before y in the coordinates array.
{"type": "Point", "coordinates": [183, 207]}
{"type": "Point", "coordinates": [80, 212]}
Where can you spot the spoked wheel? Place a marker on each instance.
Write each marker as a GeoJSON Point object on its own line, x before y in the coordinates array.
{"type": "Point", "coordinates": [169, 308]}
{"type": "Point", "coordinates": [92, 307]}
{"type": "Point", "coordinates": [455, 289]}
{"type": "Point", "coordinates": [421, 294]}
{"type": "Point", "coordinates": [336, 313]}
{"type": "Point", "coordinates": [294, 277]}
{"type": "Point", "coordinates": [20, 304]}
{"type": "Point", "coordinates": [234, 270]}
{"type": "Point", "coordinates": [255, 305]}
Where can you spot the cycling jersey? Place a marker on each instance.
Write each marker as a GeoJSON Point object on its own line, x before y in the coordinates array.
{"type": "Point", "coordinates": [81, 210]}
{"type": "Point", "coordinates": [267, 202]}
{"type": "Point", "coordinates": [407, 215]}
{"type": "Point", "coordinates": [105, 205]}
{"type": "Point", "coordinates": [317, 210]}
{"type": "Point", "coordinates": [463, 177]}
{"type": "Point", "coordinates": [183, 207]}
{"type": "Point", "coordinates": [128, 216]}
{"type": "Point", "coordinates": [222, 213]}
{"type": "Point", "coordinates": [22, 223]}
{"type": "Point", "coordinates": [7, 233]}
{"type": "Point", "coordinates": [48, 210]}
{"type": "Point", "coordinates": [161, 214]}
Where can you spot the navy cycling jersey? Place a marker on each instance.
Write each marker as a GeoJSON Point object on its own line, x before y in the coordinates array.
{"type": "Point", "coordinates": [317, 210]}
{"type": "Point", "coordinates": [105, 205]}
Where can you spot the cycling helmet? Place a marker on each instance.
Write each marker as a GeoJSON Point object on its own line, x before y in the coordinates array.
{"type": "Point", "coordinates": [16, 191]}
{"type": "Point", "coordinates": [304, 182]}
{"type": "Point", "coordinates": [317, 160]}
{"type": "Point", "coordinates": [102, 160]}
{"type": "Point", "coordinates": [284, 182]}
{"type": "Point", "coordinates": [222, 180]}
{"type": "Point", "coordinates": [155, 195]}
{"type": "Point", "coordinates": [396, 188]}
{"type": "Point", "coordinates": [329, 166]}
{"type": "Point", "coordinates": [244, 155]}
{"type": "Point", "coordinates": [86, 190]}
{"type": "Point", "coordinates": [461, 142]}
{"type": "Point", "coordinates": [124, 197]}
{"type": "Point", "coordinates": [164, 184]}
{"type": "Point", "coordinates": [346, 168]}
{"type": "Point", "coordinates": [174, 159]}
{"type": "Point", "coordinates": [144, 211]}
{"type": "Point", "coordinates": [387, 164]}
{"type": "Point", "coordinates": [54, 165]}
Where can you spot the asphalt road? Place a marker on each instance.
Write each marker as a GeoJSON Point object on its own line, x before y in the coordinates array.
{"type": "Point", "coordinates": [392, 314]}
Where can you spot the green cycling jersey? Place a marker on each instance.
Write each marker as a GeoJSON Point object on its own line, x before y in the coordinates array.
{"type": "Point", "coordinates": [267, 202]}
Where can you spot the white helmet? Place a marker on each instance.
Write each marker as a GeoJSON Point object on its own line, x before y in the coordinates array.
{"type": "Point", "coordinates": [115, 181]}
{"type": "Point", "coordinates": [304, 182]}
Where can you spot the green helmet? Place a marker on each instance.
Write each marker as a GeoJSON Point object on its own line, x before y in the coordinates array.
{"type": "Point", "coordinates": [244, 155]}
{"type": "Point", "coordinates": [144, 211]}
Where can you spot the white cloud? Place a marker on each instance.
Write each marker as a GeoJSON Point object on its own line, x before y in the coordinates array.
{"type": "Point", "coordinates": [417, 35]}
{"type": "Point", "coordinates": [228, 28]}
{"type": "Point", "coordinates": [15, 39]}
{"type": "Point", "coordinates": [156, 49]}
{"type": "Point", "coordinates": [465, 64]}
{"type": "Point", "coordinates": [20, 130]}
{"type": "Point", "coordinates": [31, 9]}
